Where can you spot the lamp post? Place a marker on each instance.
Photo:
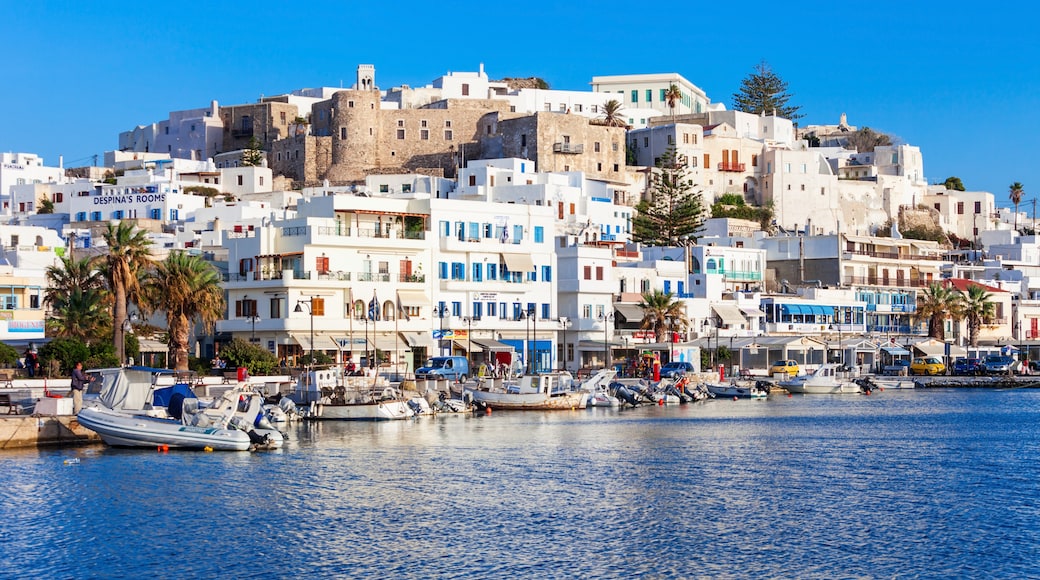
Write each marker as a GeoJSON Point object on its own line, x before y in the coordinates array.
{"type": "Point", "coordinates": [534, 323]}
{"type": "Point", "coordinates": [527, 340]}
{"type": "Point", "coordinates": [469, 338]}
{"type": "Point", "coordinates": [607, 319]}
{"type": "Point", "coordinates": [563, 351]}
{"type": "Point", "coordinates": [310, 310]}
{"type": "Point", "coordinates": [128, 328]}
{"type": "Point", "coordinates": [841, 351]}
{"type": "Point", "coordinates": [440, 311]}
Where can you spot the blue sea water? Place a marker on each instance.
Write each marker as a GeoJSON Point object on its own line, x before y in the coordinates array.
{"type": "Point", "coordinates": [908, 484]}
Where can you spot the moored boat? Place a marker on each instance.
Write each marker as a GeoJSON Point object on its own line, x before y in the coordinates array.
{"type": "Point", "coordinates": [740, 390]}
{"type": "Point", "coordinates": [131, 411]}
{"type": "Point", "coordinates": [543, 392]}
{"type": "Point", "coordinates": [825, 380]}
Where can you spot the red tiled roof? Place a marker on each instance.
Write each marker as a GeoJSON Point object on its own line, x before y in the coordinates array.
{"type": "Point", "coordinates": [962, 285]}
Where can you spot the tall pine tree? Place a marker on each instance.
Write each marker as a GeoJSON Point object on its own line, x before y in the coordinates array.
{"type": "Point", "coordinates": [763, 91]}
{"type": "Point", "coordinates": [674, 211]}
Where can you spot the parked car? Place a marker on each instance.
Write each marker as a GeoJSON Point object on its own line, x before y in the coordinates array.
{"type": "Point", "coordinates": [927, 365]}
{"type": "Point", "coordinates": [674, 369]}
{"type": "Point", "coordinates": [785, 366]}
{"type": "Point", "coordinates": [996, 364]}
{"type": "Point", "coordinates": [967, 366]}
{"type": "Point", "coordinates": [455, 368]}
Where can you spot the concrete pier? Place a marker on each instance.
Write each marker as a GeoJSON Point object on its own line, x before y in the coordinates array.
{"type": "Point", "coordinates": [21, 431]}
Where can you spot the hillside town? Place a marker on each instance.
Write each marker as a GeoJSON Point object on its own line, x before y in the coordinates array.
{"type": "Point", "coordinates": [505, 222]}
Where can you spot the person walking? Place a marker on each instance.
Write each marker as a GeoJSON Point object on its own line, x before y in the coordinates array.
{"type": "Point", "coordinates": [79, 384]}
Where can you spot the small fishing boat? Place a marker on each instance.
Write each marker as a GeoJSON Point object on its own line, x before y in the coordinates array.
{"type": "Point", "coordinates": [739, 390]}
{"type": "Point", "coordinates": [132, 411]}
{"type": "Point", "coordinates": [825, 380]}
{"type": "Point", "coordinates": [327, 394]}
{"type": "Point", "coordinates": [542, 392]}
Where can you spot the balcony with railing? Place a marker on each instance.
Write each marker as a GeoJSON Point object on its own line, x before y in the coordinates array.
{"type": "Point", "coordinates": [412, 278]}
{"type": "Point", "coordinates": [881, 281]}
{"type": "Point", "coordinates": [572, 148]}
{"type": "Point", "coordinates": [735, 167]}
{"type": "Point", "coordinates": [372, 277]}
{"type": "Point", "coordinates": [894, 255]}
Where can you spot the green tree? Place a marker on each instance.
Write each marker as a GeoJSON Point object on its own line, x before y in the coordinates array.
{"type": "Point", "coordinates": [82, 314]}
{"type": "Point", "coordinates": [1015, 190]}
{"type": "Point", "coordinates": [253, 155]}
{"type": "Point", "coordinates": [673, 95]}
{"type": "Point", "coordinates": [240, 353]}
{"type": "Point", "coordinates": [612, 116]}
{"type": "Point", "coordinates": [663, 313]}
{"type": "Point", "coordinates": [763, 91]}
{"type": "Point", "coordinates": [866, 139]}
{"type": "Point", "coordinates": [122, 266]}
{"type": "Point", "coordinates": [954, 184]}
{"type": "Point", "coordinates": [187, 289]}
{"type": "Point", "coordinates": [674, 212]}
{"type": "Point", "coordinates": [8, 355]}
{"type": "Point", "coordinates": [45, 206]}
{"type": "Point", "coordinates": [977, 307]}
{"type": "Point", "coordinates": [935, 304]}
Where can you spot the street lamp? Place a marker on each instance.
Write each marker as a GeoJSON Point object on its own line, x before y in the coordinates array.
{"type": "Point", "coordinates": [469, 337]}
{"type": "Point", "coordinates": [606, 319]}
{"type": "Point", "coordinates": [564, 321]}
{"type": "Point", "coordinates": [310, 310]}
{"type": "Point", "coordinates": [440, 312]}
{"type": "Point", "coordinates": [841, 351]}
{"type": "Point", "coordinates": [534, 323]}
{"type": "Point", "coordinates": [526, 317]}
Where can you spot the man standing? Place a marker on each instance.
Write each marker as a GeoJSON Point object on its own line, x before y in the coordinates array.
{"type": "Point", "coordinates": [79, 383]}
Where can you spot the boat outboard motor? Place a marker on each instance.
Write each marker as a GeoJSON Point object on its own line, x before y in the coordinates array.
{"type": "Point", "coordinates": [764, 386]}
{"type": "Point", "coordinates": [671, 390]}
{"type": "Point", "coordinates": [625, 395]}
{"type": "Point", "coordinates": [415, 407]}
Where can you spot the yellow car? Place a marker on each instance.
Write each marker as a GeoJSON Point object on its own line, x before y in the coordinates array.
{"type": "Point", "coordinates": [789, 367]}
{"type": "Point", "coordinates": [927, 365]}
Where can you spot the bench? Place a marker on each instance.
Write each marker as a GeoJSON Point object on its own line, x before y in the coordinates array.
{"type": "Point", "coordinates": [229, 377]}
{"type": "Point", "coordinates": [12, 408]}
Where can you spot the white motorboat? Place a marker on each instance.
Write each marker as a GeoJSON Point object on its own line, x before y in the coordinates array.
{"type": "Point", "coordinates": [372, 404]}
{"type": "Point", "coordinates": [542, 392]}
{"type": "Point", "coordinates": [739, 390]}
{"type": "Point", "coordinates": [132, 411]}
{"type": "Point", "coordinates": [328, 395]}
{"type": "Point", "coordinates": [599, 389]}
{"type": "Point", "coordinates": [825, 380]}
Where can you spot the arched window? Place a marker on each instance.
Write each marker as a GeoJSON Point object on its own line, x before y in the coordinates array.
{"type": "Point", "coordinates": [711, 265]}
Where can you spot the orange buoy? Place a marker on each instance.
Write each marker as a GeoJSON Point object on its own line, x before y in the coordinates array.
{"type": "Point", "coordinates": [487, 411]}
{"type": "Point", "coordinates": [734, 397]}
{"type": "Point", "coordinates": [789, 395]}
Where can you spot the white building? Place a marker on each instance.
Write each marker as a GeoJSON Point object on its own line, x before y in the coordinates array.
{"type": "Point", "coordinates": [23, 169]}
{"type": "Point", "coordinates": [196, 134]}
{"type": "Point", "coordinates": [648, 91]}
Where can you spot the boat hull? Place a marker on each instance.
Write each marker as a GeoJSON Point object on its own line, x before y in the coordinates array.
{"type": "Point", "coordinates": [822, 389]}
{"type": "Point", "coordinates": [123, 430]}
{"type": "Point", "coordinates": [376, 411]}
{"type": "Point", "coordinates": [735, 391]}
{"type": "Point", "coordinates": [530, 401]}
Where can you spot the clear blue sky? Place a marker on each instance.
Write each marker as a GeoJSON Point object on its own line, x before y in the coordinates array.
{"type": "Point", "coordinates": [958, 81]}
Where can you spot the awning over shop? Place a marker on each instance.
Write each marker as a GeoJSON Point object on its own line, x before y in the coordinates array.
{"type": "Point", "coordinates": [631, 312]}
{"type": "Point", "coordinates": [936, 348]}
{"type": "Point", "coordinates": [518, 262]}
{"type": "Point", "coordinates": [807, 309]}
{"type": "Point", "coordinates": [412, 298]}
{"type": "Point", "coordinates": [386, 341]}
{"type": "Point", "coordinates": [896, 350]}
{"type": "Point", "coordinates": [419, 339]}
{"type": "Point", "coordinates": [322, 341]}
{"type": "Point", "coordinates": [492, 345]}
{"type": "Point", "coordinates": [753, 312]}
{"type": "Point", "coordinates": [729, 314]}
{"type": "Point", "coordinates": [149, 345]}
{"type": "Point", "coordinates": [593, 345]}
{"type": "Point", "coordinates": [465, 344]}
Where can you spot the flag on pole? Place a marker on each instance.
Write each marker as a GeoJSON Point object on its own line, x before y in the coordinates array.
{"type": "Point", "coordinates": [373, 307]}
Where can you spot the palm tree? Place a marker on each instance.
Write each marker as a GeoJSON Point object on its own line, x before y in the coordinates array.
{"type": "Point", "coordinates": [82, 314]}
{"type": "Point", "coordinates": [127, 255]}
{"type": "Point", "coordinates": [186, 288]}
{"type": "Point", "coordinates": [1016, 198]}
{"type": "Point", "coordinates": [977, 308]}
{"type": "Point", "coordinates": [612, 114]}
{"type": "Point", "coordinates": [71, 274]}
{"type": "Point", "coordinates": [673, 95]}
{"type": "Point", "coordinates": [936, 304]}
{"type": "Point", "coordinates": [662, 313]}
